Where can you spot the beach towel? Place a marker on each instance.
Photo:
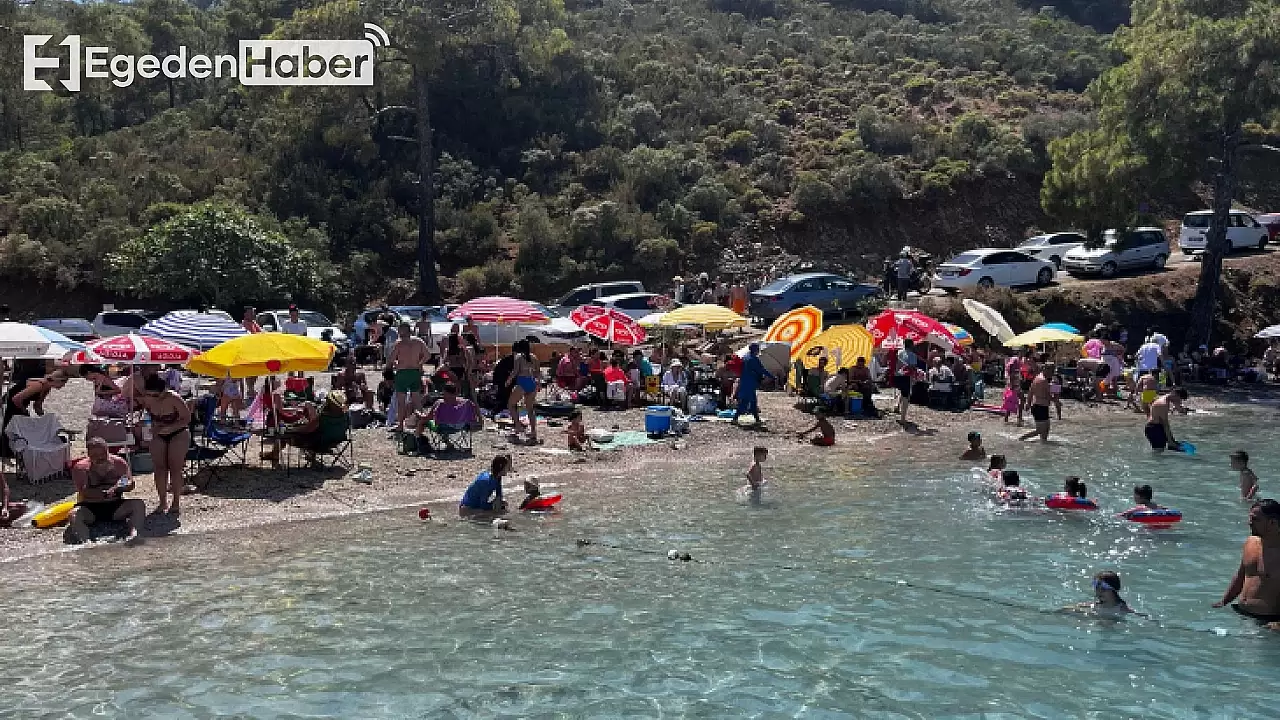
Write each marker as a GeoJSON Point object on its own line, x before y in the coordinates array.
{"type": "Point", "coordinates": [627, 438]}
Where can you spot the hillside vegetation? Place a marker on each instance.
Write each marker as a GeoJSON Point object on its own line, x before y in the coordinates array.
{"type": "Point", "coordinates": [647, 138]}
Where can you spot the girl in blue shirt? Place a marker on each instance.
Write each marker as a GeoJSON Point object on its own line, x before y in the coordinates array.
{"type": "Point", "coordinates": [484, 497]}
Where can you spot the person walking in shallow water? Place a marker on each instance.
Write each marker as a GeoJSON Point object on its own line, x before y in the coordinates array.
{"type": "Point", "coordinates": [753, 372]}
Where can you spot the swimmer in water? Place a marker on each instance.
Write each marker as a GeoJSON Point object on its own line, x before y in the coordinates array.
{"type": "Point", "coordinates": [1074, 488]}
{"type": "Point", "coordinates": [996, 467]}
{"type": "Point", "coordinates": [1248, 481]}
{"type": "Point", "coordinates": [826, 436]}
{"type": "Point", "coordinates": [1010, 491]}
{"type": "Point", "coordinates": [755, 473]}
{"type": "Point", "coordinates": [1107, 601]}
{"type": "Point", "coordinates": [976, 451]}
{"type": "Point", "coordinates": [1142, 495]}
{"type": "Point", "coordinates": [1256, 583]}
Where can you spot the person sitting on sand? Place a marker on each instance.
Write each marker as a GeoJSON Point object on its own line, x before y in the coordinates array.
{"type": "Point", "coordinates": [1107, 600]}
{"type": "Point", "coordinates": [827, 432]}
{"type": "Point", "coordinates": [101, 480]}
{"type": "Point", "coordinates": [323, 426]}
{"type": "Point", "coordinates": [531, 493]}
{"type": "Point", "coordinates": [976, 451]}
{"type": "Point", "coordinates": [755, 473]}
{"type": "Point", "coordinates": [1248, 480]}
{"type": "Point", "coordinates": [576, 433]}
{"type": "Point", "coordinates": [1256, 583]}
{"type": "Point", "coordinates": [1142, 497]}
{"type": "Point", "coordinates": [483, 498]}
{"type": "Point", "coordinates": [1157, 430]}
{"type": "Point", "coordinates": [447, 417]}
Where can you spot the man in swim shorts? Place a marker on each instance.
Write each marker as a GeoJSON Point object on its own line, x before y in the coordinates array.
{"type": "Point", "coordinates": [101, 480]}
{"type": "Point", "coordinates": [408, 356]}
{"type": "Point", "coordinates": [1257, 581]}
{"type": "Point", "coordinates": [1041, 398]}
{"type": "Point", "coordinates": [1158, 432]}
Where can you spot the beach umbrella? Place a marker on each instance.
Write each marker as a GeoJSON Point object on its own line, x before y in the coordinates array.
{"type": "Point", "coordinates": [774, 356]}
{"type": "Point", "coordinates": [843, 345]}
{"type": "Point", "coordinates": [989, 319]}
{"type": "Point", "coordinates": [131, 350]}
{"type": "Point", "coordinates": [961, 335]}
{"type": "Point", "coordinates": [609, 324]}
{"type": "Point", "coordinates": [499, 310]}
{"type": "Point", "coordinates": [268, 353]}
{"type": "Point", "coordinates": [194, 329]}
{"type": "Point", "coordinates": [708, 317]}
{"type": "Point", "coordinates": [1042, 335]}
{"type": "Point", "coordinates": [1061, 326]}
{"type": "Point", "coordinates": [891, 327]}
{"type": "Point", "coordinates": [796, 327]}
{"type": "Point", "coordinates": [1269, 333]}
{"type": "Point", "coordinates": [20, 341]}
{"type": "Point", "coordinates": [651, 320]}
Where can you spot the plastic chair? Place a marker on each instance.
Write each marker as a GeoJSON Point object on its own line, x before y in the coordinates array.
{"type": "Point", "coordinates": [40, 447]}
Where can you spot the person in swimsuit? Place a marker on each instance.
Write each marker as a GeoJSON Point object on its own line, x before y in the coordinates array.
{"type": "Point", "coordinates": [22, 400]}
{"type": "Point", "coordinates": [1248, 480]}
{"type": "Point", "coordinates": [101, 481]}
{"type": "Point", "coordinates": [524, 387]}
{"type": "Point", "coordinates": [1157, 430]}
{"type": "Point", "coordinates": [408, 357]}
{"type": "Point", "coordinates": [483, 498]}
{"type": "Point", "coordinates": [1257, 581]}
{"type": "Point", "coordinates": [1143, 497]}
{"type": "Point", "coordinates": [976, 451]}
{"type": "Point", "coordinates": [170, 417]}
{"type": "Point", "coordinates": [1010, 491]}
{"type": "Point", "coordinates": [453, 352]}
{"type": "Point", "coordinates": [755, 473]}
{"type": "Point", "coordinates": [826, 436]}
{"type": "Point", "coordinates": [1107, 601]}
{"type": "Point", "coordinates": [1041, 398]}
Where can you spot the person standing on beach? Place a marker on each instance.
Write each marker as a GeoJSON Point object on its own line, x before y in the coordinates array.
{"type": "Point", "coordinates": [738, 297]}
{"type": "Point", "coordinates": [1158, 431]}
{"type": "Point", "coordinates": [1256, 582]}
{"type": "Point", "coordinates": [753, 372]}
{"type": "Point", "coordinates": [408, 356]}
{"type": "Point", "coordinates": [903, 378]}
{"type": "Point", "coordinates": [1041, 397]}
{"type": "Point", "coordinates": [903, 267]}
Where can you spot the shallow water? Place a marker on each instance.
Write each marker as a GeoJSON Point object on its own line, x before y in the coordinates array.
{"type": "Point", "coordinates": [867, 589]}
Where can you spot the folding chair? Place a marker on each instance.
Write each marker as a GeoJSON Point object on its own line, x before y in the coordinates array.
{"type": "Point", "coordinates": [216, 447]}
{"type": "Point", "coordinates": [40, 447]}
{"type": "Point", "coordinates": [441, 437]}
{"type": "Point", "coordinates": [338, 452]}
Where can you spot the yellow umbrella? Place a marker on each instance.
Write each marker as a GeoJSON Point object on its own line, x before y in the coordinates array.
{"type": "Point", "coordinates": [797, 327]}
{"type": "Point", "coordinates": [263, 354]}
{"type": "Point", "coordinates": [1042, 335]}
{"type": "Point", "coordinates": [844, 345]}
{"type": "Point", "coordinates": [708, 317]}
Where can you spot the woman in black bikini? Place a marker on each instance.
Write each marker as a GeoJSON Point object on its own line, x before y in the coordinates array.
{"type": "Point", "coordinates": [170, 417]}
{"type": "Point", "coordinates": [20, 400]}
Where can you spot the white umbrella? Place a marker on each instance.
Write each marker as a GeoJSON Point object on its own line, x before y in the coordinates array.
{"type": "Point", "coordinates": [775, 356]}
{"type": "Point", "coordinates": [990, 319]}
{"type": "Point", "coordinates": [1269, 333]}
{"type": "Point", "coordinates": [22, 341]}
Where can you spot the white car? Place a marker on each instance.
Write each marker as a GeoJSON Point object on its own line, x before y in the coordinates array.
{"type": "Point", "coordinates": [584, 294]}
{"type": "Point", "coordinates": [1144, 247]}
{"type": "Point", "coordinates": [1242, 230]}
{"type": "Point", "coordinates": [636, 305]}
{"type": "Point", "coordinates": [1052, 247]}
{"type": "Point", "coordinates": [317, 325]}
{"type": "Point", "coordinates": [110, 323]}
{"type": "Point", "coordinates": [992, 267]}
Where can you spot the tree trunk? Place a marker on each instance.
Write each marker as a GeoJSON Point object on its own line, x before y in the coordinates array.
{"type": "Point", "coordinates": [428, 283]}
{"type": "Point", "coordinates": [1204, 309]}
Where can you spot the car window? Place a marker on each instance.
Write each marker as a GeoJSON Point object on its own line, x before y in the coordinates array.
{"type": "Point", "coordinates": [1068, 238]}
{"type": "Point", "coordinates": [840, 285]}
{"type": "Point", "coordinates": [999, 258]}
{"type": "Point", "coordinates": [1198, 222]}
{"type": "Point", "coordinates": [1017, 257]}
{"type": "Point", "coordinates": [964, 259]}
{"type": "Point", "coordinates": [580, 297]}
{"type": "Point", "coordinates": [313, 318]}
{"type": "Point", "coordinates": [267, 321]}
{"type": "Point", "coordinates": [128, 320]}
{"type": "Point", "coordinates": [619, 289]}
{"type": "Point", "coordinates": [809, 285]}
{"type": "Point", "coordinates": [1035, 242]}
{"type": "Point", "coordinates": [777, 286]}
{"type": "Point", "coordinates": [1152, 238]}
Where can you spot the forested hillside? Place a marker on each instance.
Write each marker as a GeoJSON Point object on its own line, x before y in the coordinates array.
{"type": "Point", "coordinates": [570, 142]}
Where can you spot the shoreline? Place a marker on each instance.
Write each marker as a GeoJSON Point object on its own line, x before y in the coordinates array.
{"type": "Point", "coordinates": [266, 501]}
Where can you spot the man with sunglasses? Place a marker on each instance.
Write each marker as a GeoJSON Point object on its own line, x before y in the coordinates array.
{"type": "Point", "coordinates": [1257, 582]}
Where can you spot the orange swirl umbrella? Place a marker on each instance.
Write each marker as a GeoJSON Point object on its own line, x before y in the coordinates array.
{"type": "Point", "coordinates": [796, 327]}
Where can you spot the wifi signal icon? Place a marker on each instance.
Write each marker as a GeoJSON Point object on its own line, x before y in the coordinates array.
{"type": "Point", "coordinates": [376, 35]}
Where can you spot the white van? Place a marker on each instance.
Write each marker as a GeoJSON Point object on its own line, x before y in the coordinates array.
{"type": "Point", "coordinates": [1242, 231]}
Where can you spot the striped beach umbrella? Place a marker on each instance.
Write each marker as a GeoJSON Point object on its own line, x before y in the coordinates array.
{"type": "Point", "coordinates": [499, 310]}
{"type": "Point", "coordinates": [708, 317]}
{"type": "Point", "coordinates": [194, 329]}
{"type": "Point", "coordinates": [961, 335]}
{"type": "Point", "coordinates": [797, 327]}
{"type": "Point", "coordinates": [609, 324]}
{"type": "Point", "coordinates": [132, 350]}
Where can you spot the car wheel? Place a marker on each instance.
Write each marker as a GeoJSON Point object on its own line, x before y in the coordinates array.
{"type": "Point", "coordinates": [986, 283]}
{"type": "Point", "coordinates": [1057, 262]}
{"type": "Point", "coordinates": [1159, 262]}
{"type": "Point", "coordinates": [1262, 243]}
{"type": "Point", "coordinates": [951, 291]}
{"type": "Point", "coordinates": [1108, 269]}
{"type": "Point", "coordinates": [1044, 277]}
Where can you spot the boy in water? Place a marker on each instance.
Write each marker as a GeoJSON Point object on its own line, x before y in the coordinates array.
{"type": "Point", "coordinates": [1074, 488]}
{"type": "Point", "coordinates": [1011, 491]}
{"type": "Point", "coordinates": [827, 432]}
{"type": "Point", "coordinates": [755, 473]}
{"type": "Point", "coordinates": [531, 492]}
{"type": "Point", "coordinates": [1142, 495]}
{"type": "Point", "coordinates": [1248, 481]}
{"type": "Point", "coordinates": [1107, 600]}
{"type": "Point", "coordinates": [976, 451]}
{"type": "Point", "coordinates": [996, 467]}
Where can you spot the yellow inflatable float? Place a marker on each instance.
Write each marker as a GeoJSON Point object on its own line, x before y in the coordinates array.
{"type": "Point", "coordinates": [54, 515]}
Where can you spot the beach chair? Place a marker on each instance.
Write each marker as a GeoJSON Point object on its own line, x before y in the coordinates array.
{"type": "Point", "coordinates": [40, 447]}
{"type": "Point", "coordinates": [215, 447]}
{"type": "Point", "coordinates": [339, 452]}
{"type": "Point", "coordinates": [456, 428]}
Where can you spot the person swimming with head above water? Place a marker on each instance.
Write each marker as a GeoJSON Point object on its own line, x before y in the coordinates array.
{"type": "Point", "coordinates": [1257, 582]}
{"type": "Point", "coordinates": [1011, 491]}
{"type": "Point", "coordinates": [1107, 600]}
{"type": "Point", "coordinates": [1074, 488]}
{"type": "Point", "coordinates": [975, 451]}
{"type": "Point", "coordinates": [1142, 495]}
{"type": "Point", "coordinates": [996, 467]}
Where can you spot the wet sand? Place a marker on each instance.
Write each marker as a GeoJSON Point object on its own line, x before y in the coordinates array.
{"type": "Point", "coordinates": [262, 502]}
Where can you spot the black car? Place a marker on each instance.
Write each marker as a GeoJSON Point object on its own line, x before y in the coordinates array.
{"type": "Point", "coordinates": [77, 329]}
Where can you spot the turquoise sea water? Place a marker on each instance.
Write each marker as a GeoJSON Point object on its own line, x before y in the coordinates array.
{"type": "Point", "coordinates": [873, 587]}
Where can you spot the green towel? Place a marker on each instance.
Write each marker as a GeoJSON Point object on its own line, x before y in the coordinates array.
{"type": "Point", "coordinates": [626, 438]}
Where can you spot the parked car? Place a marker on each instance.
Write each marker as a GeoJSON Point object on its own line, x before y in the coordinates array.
{"type": "Point", "coordinates": [77, 329]}
{"type": "Point", "coordinates": [827, 292]}
{"type": "Point", "coordinates": [1052, 246]}
{"type": "Point", "coordinates": [401, 313]}
{"type": "Point", "coordinates": [558, 334]}
{"type": "Point", "coordinates": [319, 327]}
{"type": "Point", "coordinates": [110, 323]}
{"type": "Point", "coordinates": [584, 294]}
{"type": "Point", "coordinates": [993, 267]}
{"type": "Point", "coordinates": [1243, 231]}
{"type": "Point", "coordinates": [636, 305]}
{"type": "Point", "coordinates": [1144, 247]}
{"type": "Point", "coordinates": [1270, 221]}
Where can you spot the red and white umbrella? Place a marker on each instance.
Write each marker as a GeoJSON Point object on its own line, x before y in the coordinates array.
{"type": "Point", "coordinates": [500, 310]}
{"type": "Point", "coordinates": [608, 324]}
{"type": "Point", "coordinates": [132, 350]}
{"type": "Point", "coordinates": [893, 326]}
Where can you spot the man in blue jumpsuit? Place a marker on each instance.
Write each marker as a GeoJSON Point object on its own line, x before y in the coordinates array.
{"type": "Point", "coordinates": [753, 372]}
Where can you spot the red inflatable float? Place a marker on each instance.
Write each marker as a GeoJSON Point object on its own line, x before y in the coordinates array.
{"type": "Point", "coordinates": [1063, 501]}
{"type": "Point", "coordinates": [542, 502]}
{"type": "Point", "coordinates": [1152, 517]}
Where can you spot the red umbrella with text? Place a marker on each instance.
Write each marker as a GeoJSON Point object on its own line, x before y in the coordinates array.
{"type": "Point", "coordinates": [893, 326]}
{"type": "Point", "coordinates": [609, 324]}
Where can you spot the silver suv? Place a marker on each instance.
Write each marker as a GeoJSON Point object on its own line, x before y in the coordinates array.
{"type": "Point", "coordinates": [1144, 247]}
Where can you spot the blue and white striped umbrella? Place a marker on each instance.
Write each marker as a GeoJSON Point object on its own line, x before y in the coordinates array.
{"type": "Point", "coordinates": [194, 329]}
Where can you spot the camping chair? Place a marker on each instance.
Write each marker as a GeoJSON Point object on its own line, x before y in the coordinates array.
{"type": "Point", "coordinates": [340, 452]}
{"type": "Point", "coordinates": [40, 447]}
{"type": "Point", "coordinates": [215, 446]}
{"type": "Point", "coordinates": [454, 431]}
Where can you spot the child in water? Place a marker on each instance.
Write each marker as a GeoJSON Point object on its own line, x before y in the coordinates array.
{"type": "Point", "coordinates": [531, 492]}
{"type": "Point", "coordinates": [576, 433]}
{"type": "Point", "coordinates": [1011, 401]}
{"type": "Point", "coordinates": [1011, 492]}
{"type": "Point", "coordinates": [1107, 600]}
{"type": "Point", "coordinates": [1074, 488]}
{"type": "Point", "coordinates": [976, 451]}
{"type": "Point", "coordinates": [1055, 392]}
{"type": "Point", "coordinates": [755, 473]}
{"type": "Point", "coordinates": [827, 432]}
{"type": "Point", "coordinates": [1248, 481]}
{"type": "Point", "coordinates": [1142, 495]}
{"type": "Point", "coordinates": [996, 468]}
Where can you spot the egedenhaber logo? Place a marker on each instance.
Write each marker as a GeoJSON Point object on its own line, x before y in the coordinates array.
{"type": "Point", "coordinates": [260, 62]}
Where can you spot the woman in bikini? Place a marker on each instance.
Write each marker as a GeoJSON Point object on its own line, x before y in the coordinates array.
{"type": "Point", "coordinates": [170, 439]}
{"type": "Point", "coordinates": [524, 386]}
{"type": "Point", "coordinates": [21, 400]}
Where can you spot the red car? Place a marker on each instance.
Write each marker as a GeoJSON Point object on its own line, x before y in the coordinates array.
{"type": "Point", "coordinates": [1270, 221]}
